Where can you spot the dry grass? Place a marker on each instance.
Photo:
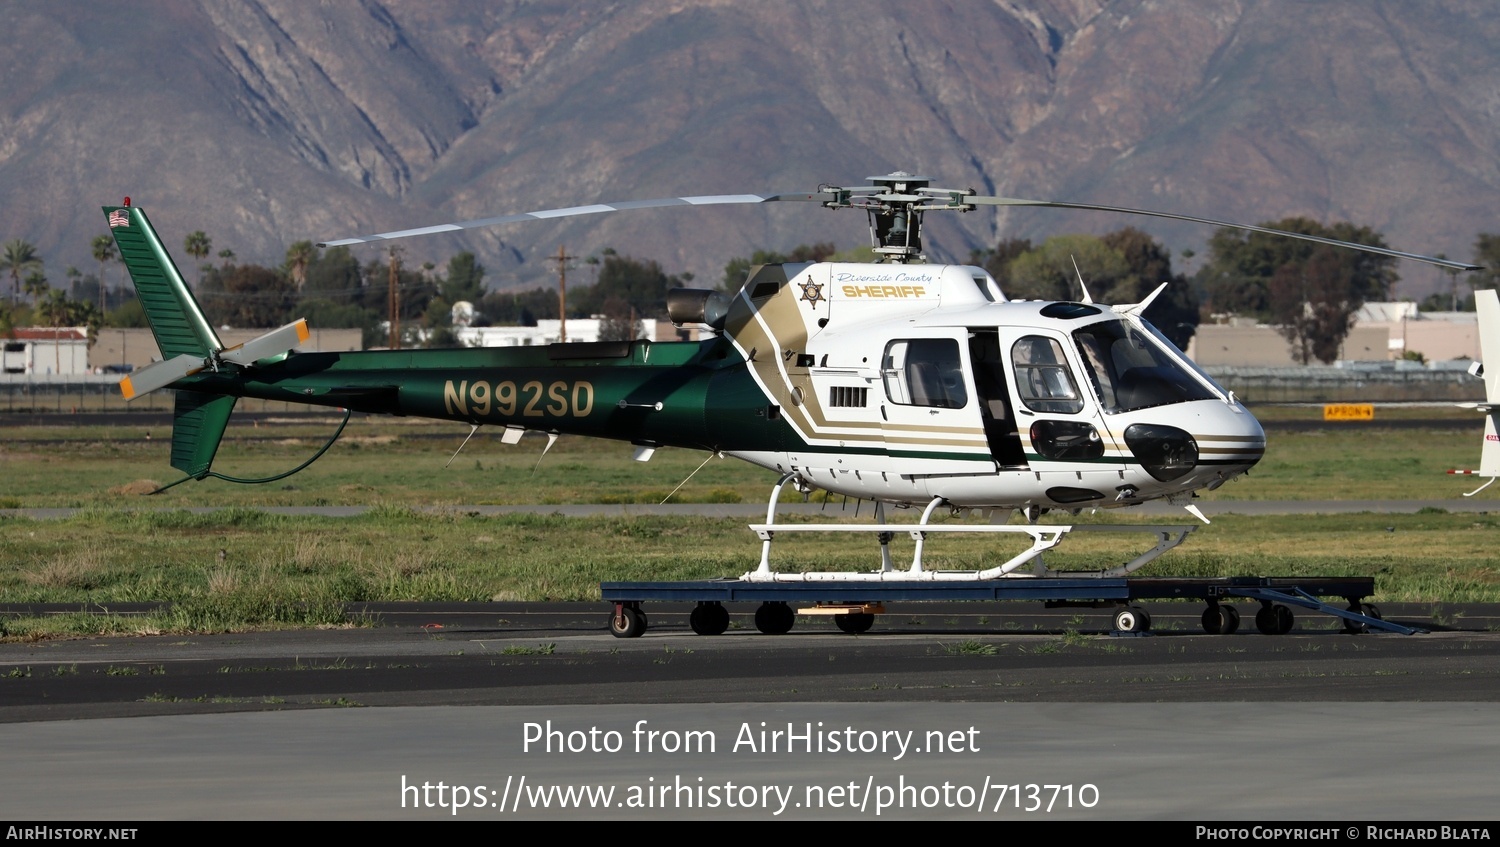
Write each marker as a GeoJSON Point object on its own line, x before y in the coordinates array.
{"type": "Point", "coordinates": [137, 488]}
{"type": "Point", "coordinates": [76, 571]}
{"type": "Point", "coordinates": [223, 581]}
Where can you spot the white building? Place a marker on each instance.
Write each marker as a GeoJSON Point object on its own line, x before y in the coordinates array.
{"type": "Point", "coordinates": [550, 332]}
{"type": "Point", "coordinates": [45, 351]}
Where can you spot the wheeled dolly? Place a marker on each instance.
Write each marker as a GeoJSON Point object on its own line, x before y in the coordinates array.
{"type": "Point", "coordinates": [778, 604]}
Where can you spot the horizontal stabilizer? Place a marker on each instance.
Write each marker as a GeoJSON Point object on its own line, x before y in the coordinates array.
{"type": "Point", "coordinates": [160, 375]}
{"type": "Point", "coordinates": [273, 343]}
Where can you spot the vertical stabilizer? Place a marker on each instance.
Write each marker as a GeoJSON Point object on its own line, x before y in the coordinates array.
{"type": "Point", "coordinates": [176, 321]}
{"type": "Point", "coordinates": [1487, 304]}
{"type": "Point", "coordinates": [1489, 457]}
{"type": "Point", "coordinates": [188, 343]}
{"type": "Point", "coordinates": [198, 422]}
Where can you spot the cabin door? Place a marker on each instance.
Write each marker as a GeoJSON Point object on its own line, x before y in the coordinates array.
{"type": "Point", "coordinates": [1058, 423]}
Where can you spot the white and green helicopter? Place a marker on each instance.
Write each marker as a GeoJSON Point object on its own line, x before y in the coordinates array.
{"type": "Point", "coordinates": [903, 382]}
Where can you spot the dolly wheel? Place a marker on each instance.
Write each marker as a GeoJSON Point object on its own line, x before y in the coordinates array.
{"type": "Point", "coordinates": [1369, 610]}
{"type": "Point", "coordinates": [1219, 619]}
{"type": "Point", "coordinates": [709, 619]}
{"type": "Point", "coordinates": [1274, 620]}
{"type": "Point", "coordinates": [774, 618]}
{"type": "Point", "coordinates": [1132, 619]}
{"type": "Point", "coordinates": [627, 622]}
{"type": "Point", "coordinates": [854, 623]}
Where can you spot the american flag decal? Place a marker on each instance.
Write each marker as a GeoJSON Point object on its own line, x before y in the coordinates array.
{"type": "Point", "coordinates": [119, 218]}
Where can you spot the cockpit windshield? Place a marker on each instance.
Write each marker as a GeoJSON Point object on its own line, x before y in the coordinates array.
{"type": "Point", "coordinates": [1129, 369]}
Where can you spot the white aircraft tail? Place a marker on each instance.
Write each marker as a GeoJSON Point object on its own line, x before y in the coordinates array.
{"type": "Point", "coordinates": [1487, 304]}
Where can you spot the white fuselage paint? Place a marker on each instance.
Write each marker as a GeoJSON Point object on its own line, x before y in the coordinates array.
{"type": "Point", "coordinates": [823, 343]}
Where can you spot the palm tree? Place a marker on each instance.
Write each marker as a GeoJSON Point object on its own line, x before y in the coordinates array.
{"type": "Point", "coordinates": [298, 257]}
{"type": "Point", "coordinates": [36, 286]}
{"type": "Point", "coordinates": [73, 274]}
{"type": "Point", "coordinates": [86, 315]}
{"type": "Point", "coordinates": [198, 245]}
{"type": "Point", "coordinates": [54, 309]}
{"type": "Point", "coordinates": [104, 250]}
{"type": "Point", "coordinates": [19, 256]}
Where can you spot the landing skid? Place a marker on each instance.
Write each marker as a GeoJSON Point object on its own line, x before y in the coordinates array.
{"type": "Point", "coordinates": [1043, 538]}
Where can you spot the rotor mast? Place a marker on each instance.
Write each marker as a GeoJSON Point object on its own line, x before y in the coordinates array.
{"type": "Point", "coordinates": [894, 204]}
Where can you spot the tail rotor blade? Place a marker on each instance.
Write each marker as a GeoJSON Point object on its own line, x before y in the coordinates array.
{"type": "Point", "coordinates": [273, 343]}
{"type": "Point", "coordinates": [160, 375]}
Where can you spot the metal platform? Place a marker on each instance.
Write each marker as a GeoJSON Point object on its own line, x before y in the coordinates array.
{"type": "Point", "coordinates": [854, 605]}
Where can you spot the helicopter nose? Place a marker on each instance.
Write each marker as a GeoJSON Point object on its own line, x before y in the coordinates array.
{"type": "Point", "coordinates": [1231, 440]}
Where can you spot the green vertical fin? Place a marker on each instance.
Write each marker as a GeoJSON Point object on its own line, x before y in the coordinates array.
{"type": "Point", "coordinates": [198, 423]}
{"type": "Point", "coordinates": [174, 315]}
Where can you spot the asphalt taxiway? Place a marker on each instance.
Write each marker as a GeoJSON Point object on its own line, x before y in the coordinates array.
{"type": "Point", "coordinates": [1316, 724]}
{"type": "Point", "coordinates": [1313, 725]}
{"type": "Point", "coordinates": [522, 654]}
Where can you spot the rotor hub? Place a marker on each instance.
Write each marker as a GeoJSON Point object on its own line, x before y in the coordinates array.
{"type": "Point", "coordinates": [894, 204]}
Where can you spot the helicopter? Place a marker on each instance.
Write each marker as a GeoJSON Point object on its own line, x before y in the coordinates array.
{"type": "Point", "coordinates": [904, 382]}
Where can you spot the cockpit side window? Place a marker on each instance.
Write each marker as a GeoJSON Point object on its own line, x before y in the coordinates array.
{"type": "Point", "coordinates": [924, 372]}
{"type": "Point", "coordinates": [1129, 370]}
{"type": "Point", "coordinates": [1043, 378]}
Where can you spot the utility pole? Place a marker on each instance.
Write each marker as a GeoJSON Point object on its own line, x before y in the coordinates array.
{"type": "Point", "coordinates": [563, 260]}
{"type": "Point", "coordinates": [395, 299]}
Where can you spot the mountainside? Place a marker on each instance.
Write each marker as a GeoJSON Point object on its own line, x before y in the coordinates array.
{"type": "Point", "coordinates": [267, 122]}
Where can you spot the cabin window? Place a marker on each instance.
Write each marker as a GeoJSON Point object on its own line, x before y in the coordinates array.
{"type": "Point", "coordinates": [1043, 378]}
{"type": "Point", "coordinates": [924, 372]}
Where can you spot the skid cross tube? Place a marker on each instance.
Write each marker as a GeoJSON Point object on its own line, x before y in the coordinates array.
{"type": "Point", "coordinates": [1042, 538]}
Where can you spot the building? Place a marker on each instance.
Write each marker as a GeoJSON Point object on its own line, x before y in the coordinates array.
{"type": "Point", "coordinates": [550, 332]}
{"type": "Point", "coordinates": [45, 351]}
{"type": "Point", "coordinates": [1382, 332]}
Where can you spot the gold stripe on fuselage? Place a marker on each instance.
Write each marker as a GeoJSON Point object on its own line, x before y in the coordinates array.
{"type": "Point", "coordinates": [809, 418]}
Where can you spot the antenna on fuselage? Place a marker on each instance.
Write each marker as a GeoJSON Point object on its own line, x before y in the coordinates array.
{"type": "Point", "coordinates": [1084, 288]}
{"type": "Point", "coordinates": [473, 428]}
{"type": "Point", "coordinates": [551, 440]}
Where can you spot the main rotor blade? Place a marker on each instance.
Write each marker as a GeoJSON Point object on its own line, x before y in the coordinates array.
{"type": "Point", "coordinates": [1058, 204]}
{"type": "Point", "coordinates": [573, 211]}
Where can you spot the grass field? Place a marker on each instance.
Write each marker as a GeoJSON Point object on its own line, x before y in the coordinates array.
{"type": "Point", "coordinates": [402, 461]}
{"type": "Point", "coordinates": [240, 567]}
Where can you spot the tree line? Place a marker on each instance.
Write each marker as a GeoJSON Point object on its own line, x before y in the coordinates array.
{"type": "Point", "coordinates": [1309, 291]}
{"type": "Point", "coordinates": [332, 289]}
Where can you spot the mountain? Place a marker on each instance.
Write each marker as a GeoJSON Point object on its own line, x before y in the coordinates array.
{"type": "Point", "coordinates": [267, 122]}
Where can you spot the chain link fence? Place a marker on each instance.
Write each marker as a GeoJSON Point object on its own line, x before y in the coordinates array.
{"type": "Point", "coordinates": [1348, 385]}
